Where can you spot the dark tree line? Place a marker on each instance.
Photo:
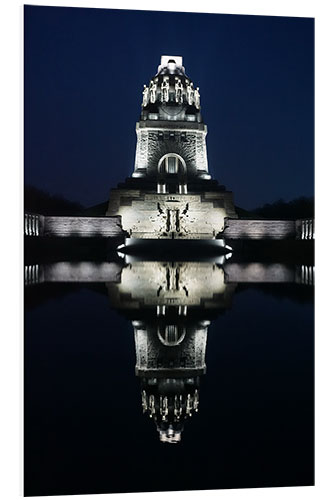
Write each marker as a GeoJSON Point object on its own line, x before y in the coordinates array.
{"type": "Point", "coordinates": [41, 202]}
{"type": "Point", "coordinates": [299, 208]}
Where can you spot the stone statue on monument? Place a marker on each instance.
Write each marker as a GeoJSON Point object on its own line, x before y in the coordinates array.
{"type": "Point", "coordinates": [179, 90]}
{"type": "Point", "coordinates": [145, 96]}
{"type": "Point", "coordinates": [152, 91]}
{"type": "Point", "coordinates": [165, 89]}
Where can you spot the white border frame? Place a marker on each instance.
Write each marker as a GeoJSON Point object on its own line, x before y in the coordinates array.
{"type": "Point", "coordinates": [12, 240]}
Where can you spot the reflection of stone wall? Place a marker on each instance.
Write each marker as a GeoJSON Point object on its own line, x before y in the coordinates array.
{"type": "Point", "coordinates": [256, 272]}
{"type": "Point", "coordinates": [152, 357]}
{"type": "Point", "coordinates": [151, 284]}
{"type": "Point", "coordinates": [81, 272]}
{"type": "Point", "coordinates": [72, 272]}
{"type": "Point", "coordinates": [204, 287]}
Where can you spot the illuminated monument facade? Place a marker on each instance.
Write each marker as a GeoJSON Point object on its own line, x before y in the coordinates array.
{"type": "Point", "coordinates": [171, 193]}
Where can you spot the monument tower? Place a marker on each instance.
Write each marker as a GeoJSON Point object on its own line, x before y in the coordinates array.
{"type": "Point", "coordinates": [171, 194]}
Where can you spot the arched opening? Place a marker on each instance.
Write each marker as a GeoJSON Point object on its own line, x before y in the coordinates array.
{"type": "Point", "coordinates": [171, 335]}
{"type": "Point", "coordinates": [171, 174]}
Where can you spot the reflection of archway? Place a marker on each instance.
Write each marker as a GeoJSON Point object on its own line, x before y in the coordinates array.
{"type": "Point", "coordinates": [171, 335]}
{"type": "Point", "coordinates": [170, 166]}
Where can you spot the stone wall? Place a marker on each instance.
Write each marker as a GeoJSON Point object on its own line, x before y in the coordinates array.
{"type": "Point", "coordinates": [305, 229]}
{"type": "Point", "coordinates": [259, 229]}
{"type": "Point", "coordinates": [189, 145]}
{"type": "Point", "coordinates": [203, 214]}
{"type": "Point", "coordinates": [153, 143]}
{"type": "Point", "coordinates": [81, 226]}
{"type": "Point", "coordinates": [173, 216]}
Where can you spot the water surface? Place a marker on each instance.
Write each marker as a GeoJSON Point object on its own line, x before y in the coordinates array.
{"type": "Point", "coordinates": [85, 430]}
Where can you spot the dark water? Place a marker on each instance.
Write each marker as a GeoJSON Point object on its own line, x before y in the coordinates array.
{"type": "Point", "coordinates": [85, 431]}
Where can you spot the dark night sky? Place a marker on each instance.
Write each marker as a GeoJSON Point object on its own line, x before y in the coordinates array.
{"type": "Point", "coordinates": [84, 74]}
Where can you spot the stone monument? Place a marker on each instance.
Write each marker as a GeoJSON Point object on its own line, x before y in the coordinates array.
{"type": "Point", "coordinates": [171, 194]}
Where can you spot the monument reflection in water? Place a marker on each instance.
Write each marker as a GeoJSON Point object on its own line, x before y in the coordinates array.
{"type": "Point", "coordinates": [259, 373]}
{"type": "Point", "coordinates": [171, 305]}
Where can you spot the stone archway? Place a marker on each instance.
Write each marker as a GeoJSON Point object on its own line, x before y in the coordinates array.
{"type": "Point", "coordinates": [170, 165]}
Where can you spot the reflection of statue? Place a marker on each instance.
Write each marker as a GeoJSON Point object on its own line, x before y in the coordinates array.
{"type": "Point", "coordinates": [145, 95]}
{"type": "Point", "coordinates": [170, 401]}
{"type": "Point", "coordinates": [152, 91]}
{"type": "Point", "coordinates": [165, 89]}
{"type": "Point", "coordinates": [179, 91]}
{"type": "Point", "coordinates": [190, 93]}
{"type": "Point", "coordinates": [170, 357]}
{"type": "Point", "coordinates": [197, 98]}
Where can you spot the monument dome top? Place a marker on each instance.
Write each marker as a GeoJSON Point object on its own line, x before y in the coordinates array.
{"type": "Point", "coordinates": [171, 65]}
{"type": "Point", "coordinates": [171, 87]}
